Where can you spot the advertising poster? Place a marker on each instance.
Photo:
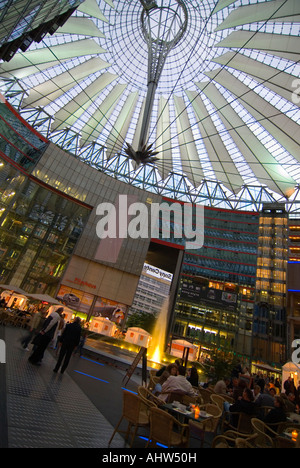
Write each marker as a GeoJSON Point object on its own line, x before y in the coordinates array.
{"type": "Point", "coordinates": [112, 310]}
{"type": "Point", "coordinates": [82, 302]}
{"type": "Point", "coordinates": [75, 299]}
{"type": "Point", "coordinates": [196, 292]}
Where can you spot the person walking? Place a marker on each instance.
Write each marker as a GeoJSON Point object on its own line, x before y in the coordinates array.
{"type": "Point", "coordinates": [43, 338]}
{"type": "Point", "coordinates": [35, 325]}
{"type": "Point", "coordinates": [70, 339]}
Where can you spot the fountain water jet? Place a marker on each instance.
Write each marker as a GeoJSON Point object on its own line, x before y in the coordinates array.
{"type": "Point", "coordinates": [157, 346]}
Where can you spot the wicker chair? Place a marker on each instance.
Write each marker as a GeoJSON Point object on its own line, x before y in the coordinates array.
{"type": "Point", "coordinates": [228, 398]}
{"type": "Point", "coordinates": [152, 372]}
{"type": "Point", "coordinates": [153, 381]}
{"type": "Point", "coordinates": [233, 439]}
{"type": "Point", "coordinates": [205, 395]}
{"type": "Point", "coordinates": [244, 443]}
{"type": "Point", "coordinates": [20, 321]}
{"type": "Point", "coordinates": [242, 422]}
{"type": "Point", "coordinates": [167, 430]}
{"type": "Point", "coordinates": [147, 395]}
{"type": "Point", "coordinates": [199, 429]}
{"type": "Point", "coordinates": [136, 412]}
{"type": "Point", "coordinates": [218, 400]}
{"type": "Point", "coordinates": [174, 396]}
{"type": "Point", "coordinates": [265, 435]}
{"type": "Point", "coordinates": [222, 441]}
{"type": "Point", "coordinates": [196, 400]}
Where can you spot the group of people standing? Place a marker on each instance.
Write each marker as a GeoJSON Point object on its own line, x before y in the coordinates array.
{"type": "Point", "coordinates": [43, 331]}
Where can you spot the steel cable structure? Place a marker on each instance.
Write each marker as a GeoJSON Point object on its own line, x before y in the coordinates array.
{"type": "Point", "coordinates": [196, 100]}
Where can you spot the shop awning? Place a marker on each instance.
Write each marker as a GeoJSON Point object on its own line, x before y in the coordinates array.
{"type": "Point", "coordinates": [43, 298]}
{"type": "Point", "coordinates": [13, 288]}
{"type": "Point", "coordinates": [266, 368]}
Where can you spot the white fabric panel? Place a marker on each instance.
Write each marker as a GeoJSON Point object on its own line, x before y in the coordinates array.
{"type": "Point", "coordinates": [261, 12]}
{"type": "Point", "coordinates": [79, 25]}
{"type": "Point", "coordinates": [91, 8]}
{"type": "Point", "coordinates": [45, 93]}
{"type": "Point", "coordinates": [137, 132]}
{"type": "Point", "coordinates": [220, 159]}
{"type": "Point", "coordinates": [72, 111]}
{"type": "Point", "coordinates": [6, 71]}
{"type": "Point", "coordinates": [275, 43]}
{"type": "Point", "coordinates": [188, 150]}
{"type": "Point", "coordinates": [50, 54]}
{"type": "Point", "coordinates": [267, 170]}
{"type": "Point", "coordinates": [292, 19]}
{"type": "Point", "coordinates": [222, 4]}
{"type": "Point", "coordinates": [163, 138]}
{"type": "Point", "coordinates": [110, 3]}
{"type": "Point", "coordinates": [284, 130]}
{"type": "Point", "coordinates": [270, 113]}
{"type": "Point", "coordinates": [117, 136]}
{"type": "Point", "coordinates": [136, 138]}
{"type": "Point", "coordinates": [91, 130]}
{"type": "Point", "coordinates": [276, 80]}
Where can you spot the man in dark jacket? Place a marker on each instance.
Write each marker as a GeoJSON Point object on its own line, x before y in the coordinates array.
{"type": "Point", "coordinates": [69, 341]}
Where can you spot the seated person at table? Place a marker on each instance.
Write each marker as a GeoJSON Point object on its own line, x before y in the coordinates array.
{"type": "Point", "coordinates": [276, 414]}
{"type": "Point", "coordinates": [265, 398]}
{"type": "Point", "coordinates": [221, 386]}
{"type": "Point", "coordinates": [238, 390]}
{"type": "Point", "coordinates": [177, 384]}
{"type": "Point", "coordinates": [244, 405]}
{"type": "Point", "coordinates": [192, 376]}
{"type": "Point", "coordinates": [171, 369]}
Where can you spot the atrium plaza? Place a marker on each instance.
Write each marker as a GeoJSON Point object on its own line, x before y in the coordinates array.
{"type": "Point", "coordinates": [170, 102]}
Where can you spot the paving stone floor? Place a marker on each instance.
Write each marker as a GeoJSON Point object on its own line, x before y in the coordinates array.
{"type": "Point", "coordinates": [41, 409]}
{"type": "Point", "coordinates": [79, 409]}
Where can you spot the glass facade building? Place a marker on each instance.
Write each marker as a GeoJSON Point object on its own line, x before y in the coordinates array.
{"type": "Point", "coordinates": [38, 232]}
{"type": "Point", "coordinates": [215, 303]}
{"type": "Point", "coordinates": [23, 23]}
{"type": "Point", "coordinates": [269, 324]}
{"type": "Point", "coordinates": [39, 226]}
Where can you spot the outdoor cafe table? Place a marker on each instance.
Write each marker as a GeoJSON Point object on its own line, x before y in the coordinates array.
{"type": "Point", "coordinates": [294, 417]}
{"type": "Point", "coordinates": [187, 414]}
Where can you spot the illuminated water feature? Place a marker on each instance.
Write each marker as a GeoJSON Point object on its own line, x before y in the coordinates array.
{"type": "Point", "coordinates": [157, 347]}
{"type": "Point", "coordinates": [156, 350]}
